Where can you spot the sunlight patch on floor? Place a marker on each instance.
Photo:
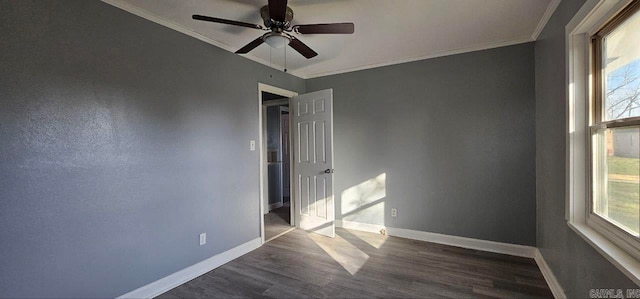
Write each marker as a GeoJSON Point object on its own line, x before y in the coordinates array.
{"type": "Point", "coordinates": [375, 240]}
{"type": "Point", "coordinates": [350, 257]}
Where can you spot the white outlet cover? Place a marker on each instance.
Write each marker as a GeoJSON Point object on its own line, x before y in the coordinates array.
{"type": "Point", "coordinates": [203, 239]}
{"type": "Point", "coordinates": [394, 212]}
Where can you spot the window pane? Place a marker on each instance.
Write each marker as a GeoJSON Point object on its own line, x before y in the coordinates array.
{"type": "Point", "coordinates": [621, 61]}
{"type": "Point", "coordinates": [617, 169]}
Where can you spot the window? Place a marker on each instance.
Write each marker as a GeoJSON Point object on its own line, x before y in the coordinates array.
{"type": "Point", "coordinates": [614, 207]}
{"type": "Point", "coordinates": [603, 130]}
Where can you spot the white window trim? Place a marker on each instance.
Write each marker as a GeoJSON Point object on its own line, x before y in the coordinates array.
{"type": "Point", "coordinates": [593, 15]}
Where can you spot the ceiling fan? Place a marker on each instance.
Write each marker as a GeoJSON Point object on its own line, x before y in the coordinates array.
{"type": "Point", "coordinates": [277, 18]}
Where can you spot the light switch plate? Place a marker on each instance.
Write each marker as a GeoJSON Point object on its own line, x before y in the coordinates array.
{"type": "Point", "coordinates": [252, 145]}
{"type": "Point", "coordinates": [203, 239]}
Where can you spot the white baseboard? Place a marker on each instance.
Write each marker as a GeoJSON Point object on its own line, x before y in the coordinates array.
{"type": "Point", "coordinates": [275, 205]}
{"type": "Point", "coordinates": [477, 244]}
{"type": "Point", "coordinates": [555, 287]}
{"type": "Point", "coordinates": [167, 283]}
{"type": "Point", "coordinates": [491, 246]}
{"type": "Point", "coordinates": [365, 227]}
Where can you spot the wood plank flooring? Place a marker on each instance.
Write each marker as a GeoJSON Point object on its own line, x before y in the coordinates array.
{"type": "Point", "coordinates": [277, 221]}
{"type": "Point", "coordinates": [365, 265]}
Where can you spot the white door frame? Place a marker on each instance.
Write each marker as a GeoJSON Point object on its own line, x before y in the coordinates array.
{"type": "Point", "coordinates": [262, 127]}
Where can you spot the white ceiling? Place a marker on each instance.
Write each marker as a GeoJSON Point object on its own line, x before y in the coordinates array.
{"type": "Point", "coordinates": [386, 31]}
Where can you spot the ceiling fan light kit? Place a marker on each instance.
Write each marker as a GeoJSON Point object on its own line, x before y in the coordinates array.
{"type": "Point", "coordinates": [276, 39]}
{"type": "Point", "coordinates": [277, 18]}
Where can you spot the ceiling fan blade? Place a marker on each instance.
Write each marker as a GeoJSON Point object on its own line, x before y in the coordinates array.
{"type": "Point", "coordinates": [335, 28]}
{"type": "Point", "coordinates": [278, 10]}
{"type": "Point", "coordinates": [303, 49]}
{"type": "Point", "coordinates": [223, 21]}
{"type": "Point", "coordinates": [250, 46]}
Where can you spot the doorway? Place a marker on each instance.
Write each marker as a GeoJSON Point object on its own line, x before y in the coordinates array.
{"type": "Point", "coordinates": [307, 174]}
{"type": "Point", "coordinates": [276, 204]}
{"type": "Point", "coordinates": [277, 212]}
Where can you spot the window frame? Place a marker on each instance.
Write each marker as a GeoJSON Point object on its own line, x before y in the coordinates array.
{"type": "Point", "coordinates": [590, 19]}
{"type": "Point", "coordinates": [618, 235]}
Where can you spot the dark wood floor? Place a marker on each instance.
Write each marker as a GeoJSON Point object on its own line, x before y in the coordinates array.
{"type": "Point", "coordinates": [277, 222]}
{"type": "Point", "coordinates": [365, 265]}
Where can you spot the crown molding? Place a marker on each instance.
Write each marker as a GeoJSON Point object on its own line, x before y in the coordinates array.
{"type": "Point", "coordinates": [521, 40]}
{"type": "Point", "coordinates": [551, 8]}
{"type": "Point", "coordinates": [309, 75]}
{"type": "Point", "coordinates": [159, 20]}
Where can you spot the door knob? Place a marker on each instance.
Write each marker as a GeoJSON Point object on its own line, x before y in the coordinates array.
{"type": "Point", "coordinates": [329, 171]}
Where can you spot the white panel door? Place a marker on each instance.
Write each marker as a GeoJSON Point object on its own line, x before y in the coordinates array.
{"type": "Point", "coordinates": [312, 128]}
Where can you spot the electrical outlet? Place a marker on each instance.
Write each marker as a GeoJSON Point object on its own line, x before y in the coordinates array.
{"type": "Point", "coordinates": [252, 145]}
{"type": "Point", "coordinates": [394, 212]}
{"type": "Point", "coordinates": [203, 239]}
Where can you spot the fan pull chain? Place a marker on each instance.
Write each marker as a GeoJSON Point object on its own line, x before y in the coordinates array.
{"type": "Point", "coordinates": [285, 58]}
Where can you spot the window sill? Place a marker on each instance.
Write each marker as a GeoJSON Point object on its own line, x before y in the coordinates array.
{"type": "Point", "coordinates": [619, 258]}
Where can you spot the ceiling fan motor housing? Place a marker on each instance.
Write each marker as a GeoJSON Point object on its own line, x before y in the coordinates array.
{"type": "Point", "coordinates": [277, 17]}
{"type": "Point", "coordinates": [269, 23]}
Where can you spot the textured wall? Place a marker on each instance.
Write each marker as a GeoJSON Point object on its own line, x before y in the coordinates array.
{"type": "Point", "coordinates": [576, 264]}
{"type": "Point", "coordinates": [449, 142]}
{"type": "Point", "coordinates": [120, 141]}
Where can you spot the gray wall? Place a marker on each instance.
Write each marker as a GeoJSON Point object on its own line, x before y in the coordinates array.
{"type": "Point", "coordinates": [455, 137]}
{"type": "Point", "coordinates": [121, 141]}
{"type": "Point", "coordinates": [577, 266]}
